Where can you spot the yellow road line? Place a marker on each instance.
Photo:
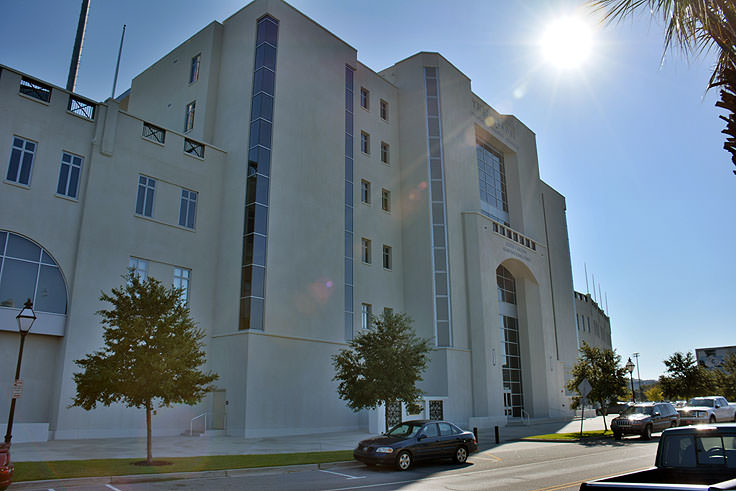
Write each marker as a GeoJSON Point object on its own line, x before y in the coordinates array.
{"type": "Point", "coordinates": [577, 483]}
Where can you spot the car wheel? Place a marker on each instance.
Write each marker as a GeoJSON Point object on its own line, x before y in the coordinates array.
{"type": "Point", "coordinates": [673, 424]}
{"type": "Point", "coordinates": [403, 461]}
{"type": "Point", "coordinates": [461, 455]}
{"type": "Point", "coordinates": [712, 419]}
{"type": "Point", "coordinates": [616, 435]}
{"type": "Point", "coordinates": [647, 434]}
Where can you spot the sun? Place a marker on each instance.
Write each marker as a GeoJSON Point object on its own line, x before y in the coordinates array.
{"type": "Point", "coordinates": [567, 43]}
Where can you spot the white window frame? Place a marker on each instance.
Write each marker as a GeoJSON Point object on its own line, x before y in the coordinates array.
{"type": "Point", "coordinates": [194, 68]}
{"type": "Point", "coordinates": [189, 116]}
{"type": "Point", "coordinates": [383, 110]}
{"type": "Point", "coordinates": [182, 277]}
{"type": "Point", "coordinates": [365, 192]}
{"type": "Point", "coordinates": [365, 98]}
{"type": "Point", "coordinates": [366, 312]}
{"type": "Point", "coordinates": [23, 152]}
{"type": "Point", "coordinates": [188, 197]}
{"type": "Point", "coordinates": [146, 184]}
{"type": "Point", "coordinates": [387, 257]}
{"type": "Point", "coordinates": [365, 250]}
{"type": "Point", "coordinates": [75, 162]}
{"type": "Point", "coordinates": [385, 155]}
{"type": "Point", "coordinates": [365, 142]}
{"type": "Point", "coordinates": [385, 200]}
{"type": "Point", "coordinates": [139, 267]}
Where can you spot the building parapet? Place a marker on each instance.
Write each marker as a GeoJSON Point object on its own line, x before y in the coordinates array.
{"type": "Point", "coordinates": [508, 233]}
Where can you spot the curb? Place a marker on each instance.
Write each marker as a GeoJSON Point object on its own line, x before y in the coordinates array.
{"type": "Point", "coordinates": [174, 476]}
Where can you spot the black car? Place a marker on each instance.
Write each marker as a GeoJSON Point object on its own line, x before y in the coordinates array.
{"type": "Point", "coordinates": [644, 418]}
{"type": "Point", "coordinates": [417, 440]}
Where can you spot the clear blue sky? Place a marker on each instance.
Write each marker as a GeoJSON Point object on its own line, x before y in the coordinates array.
{"type": "Point", "coordinates": [635, 146]}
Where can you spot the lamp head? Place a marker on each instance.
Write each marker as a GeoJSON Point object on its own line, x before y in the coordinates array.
{"type": "Point", "coordinates": [26, 317]}
{"type": "Point", "coordinates": [629, 366]}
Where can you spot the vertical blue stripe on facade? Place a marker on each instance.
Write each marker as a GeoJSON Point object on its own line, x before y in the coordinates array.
{"type": "Point", "coordinates": [440, 270]}
{"type": "Point", "coordinates": [255, 226]}
{"type": "Point", "coordinates": [349, 282]}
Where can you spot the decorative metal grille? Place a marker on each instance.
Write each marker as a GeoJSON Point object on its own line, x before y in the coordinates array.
{"type": "Point", "coordinates": [394, 414]}
{"type": "Point", "coordinates": [435, 410]}
{"type": "Point", "coordinates": [194, 148]}
{"type": "Point", "coordinates": [34, 89]}
{"type": "Point", "coordinates": [81, 107]}
{"type": "Point", "coordinates": [154, 133]}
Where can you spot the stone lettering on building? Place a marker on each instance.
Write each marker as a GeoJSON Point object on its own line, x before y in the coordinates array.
{"type": "Point", "coordinates": [517, 251]}
{"type": "Point", "coordinates": [491, 119]}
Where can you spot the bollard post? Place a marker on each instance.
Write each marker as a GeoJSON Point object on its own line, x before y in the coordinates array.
{"type": "Point", "coordinates": [495, 430]}
{"type": "Point", "coordinates": [475, 434]}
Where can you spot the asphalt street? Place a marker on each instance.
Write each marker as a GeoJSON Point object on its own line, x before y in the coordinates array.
{"type": "Point", "coordinates": [518, 466]}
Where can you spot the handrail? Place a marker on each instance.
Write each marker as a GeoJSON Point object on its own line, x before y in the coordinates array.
{"type": "Point", "coordinates": [191, 423]}
{"type": "Point", "coordinates": [528, 418]}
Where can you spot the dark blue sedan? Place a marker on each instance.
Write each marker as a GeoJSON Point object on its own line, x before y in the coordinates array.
{"type": "Point", "coordinates": [417, 440]}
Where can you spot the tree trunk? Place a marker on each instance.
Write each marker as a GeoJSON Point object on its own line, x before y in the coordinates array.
{"type": "Point", "coordinates": [149, 457]}
{"type": "Point", "coordinates": [604, 410]}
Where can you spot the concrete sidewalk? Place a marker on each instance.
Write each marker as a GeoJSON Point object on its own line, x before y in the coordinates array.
{"type": "Point", "coordinates": [184, 446]}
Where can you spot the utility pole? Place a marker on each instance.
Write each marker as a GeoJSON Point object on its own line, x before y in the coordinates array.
{"type": "Point", "coordinates": [638, 375]}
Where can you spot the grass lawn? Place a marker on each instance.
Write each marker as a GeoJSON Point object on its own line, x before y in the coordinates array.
{"type": "Point", "coordinates": [572, 436]}
{"type": "Point", "coordinates": [60, 469]}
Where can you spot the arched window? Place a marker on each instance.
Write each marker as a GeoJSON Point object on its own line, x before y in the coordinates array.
{"type": "Point", "coordinates": [506, 285]}
{"type": "Point", "coordinates": [28, 271]}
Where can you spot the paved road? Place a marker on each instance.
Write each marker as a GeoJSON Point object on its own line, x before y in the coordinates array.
{"type": "Point", "coordinates": [519, 466]}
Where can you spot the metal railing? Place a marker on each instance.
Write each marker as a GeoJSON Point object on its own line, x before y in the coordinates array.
{"type": "Point", "coordinates": [525, 418]}
{"type": "Point", "coordinates": [191, 423]}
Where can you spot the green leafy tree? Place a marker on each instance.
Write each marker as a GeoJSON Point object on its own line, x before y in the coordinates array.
{"type": "Point", "coordinates": [684, 378]}
{"type": "Point", "coordinates": [695, 27]}
{"type": "Point", "coordinates": [654, 393]}
{"type": "Point", "coordinates": [382, 365]}
{"type": "Point", "coordinates": [152, 351]}
{"type": "Point", "coordinates": [726, 378]}
{"type": "Point", "coordinates": [607, 379]}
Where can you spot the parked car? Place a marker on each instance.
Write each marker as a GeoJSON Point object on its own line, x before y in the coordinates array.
{"type": "Point", "coordinates": [690, 458]}
{"type": "Point", "coordinates": [644, 419]}
{"type": "Point", "coordinates": [6, 468]}
{"type": "Point", "coordinates": [415, 440]}
{"type": "Point", "coordinates": [615, 407]}
{"type": "Point", "coordinates": [711, 409]}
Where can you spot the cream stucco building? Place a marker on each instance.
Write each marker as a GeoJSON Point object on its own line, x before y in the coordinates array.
{"type": "Point", "coordinates": [293, 192]}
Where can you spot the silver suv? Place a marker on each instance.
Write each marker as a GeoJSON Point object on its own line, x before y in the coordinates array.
{"type": "Point", "coordinates": [644, 418]}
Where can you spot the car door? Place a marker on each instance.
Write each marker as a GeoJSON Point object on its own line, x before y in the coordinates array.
{"type": "Point", "coordinates": [449, 440]}
{"type": "Point", "coordinates": [427, 442]}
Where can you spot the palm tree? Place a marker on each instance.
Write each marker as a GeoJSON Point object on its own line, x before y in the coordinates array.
{"type": "Point", "coordinates": [695, 26]}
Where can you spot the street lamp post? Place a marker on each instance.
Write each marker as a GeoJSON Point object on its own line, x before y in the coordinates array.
{"type": "Point", "coordinates": [630, 368]}
{"type": "Point", "coordinates": [25, 319]}
{"type": "Point", "coordinates": [638, 376]}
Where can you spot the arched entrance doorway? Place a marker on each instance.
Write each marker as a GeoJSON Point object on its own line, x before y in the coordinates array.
{"type": "Point", "coordinates": [513, 398]}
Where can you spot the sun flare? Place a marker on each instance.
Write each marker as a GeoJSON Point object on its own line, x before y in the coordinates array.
{"type": "Point", "coordinates": [567, 42]}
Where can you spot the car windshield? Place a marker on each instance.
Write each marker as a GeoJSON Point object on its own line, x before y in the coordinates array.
{"type": "Point", "coordinates": [405, 430]}
{"type": "Point", "coordinates": [637, 410]}
{"type": "Point", "coordinates": [700, 402]}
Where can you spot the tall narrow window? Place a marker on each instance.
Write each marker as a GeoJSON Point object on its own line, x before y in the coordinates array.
{"type": "Point", "coordinates": [365, 192]}
{"type": "Point", "coordinates": [188, 208]}
{"type": "Point", "coordinates": [385, 200]}
{"type": "Point", "coordinates": [492, 182]}
{"type": "Point", "coordinates": [366, 312]}
{"type": "Point", "coordinates": [189, 117]}
{"type": "Point", "coordinates": [146, 191]}
{"type": "Point", "coordinates": [365, 250]}
{"type": "Point", "coordinates": [21, 161]}
{"type": "Point", "coordinates": [384, 110]}
{"type": "Point", "coordinates": [349, 165]}
{"type": "Point", "coordinates": [387, 261]}
{"type": "Point", "coordinates": [194, 71]}
{"type": "Point", "coordinates": [71, 168]}
{"type": "Point", "coordinates": [181, 280]}
{"type": "Point", "coordinates": [365, 142]}
{"type": "Point", "coordinates": [139, 267]}
{"type": "Point", "coordinates": [365, 98]}
{"type": "Point", "coordinates": [257, 184]}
